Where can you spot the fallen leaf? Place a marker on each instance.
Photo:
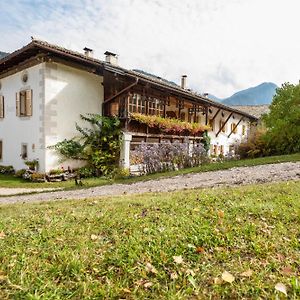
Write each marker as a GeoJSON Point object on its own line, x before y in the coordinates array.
{"type": "Point", "coordinates": [178, 259]}
{"type": "Point", "coordinates": [126, 291]}
{"type": "Point", "coordinates": [287, 271]}
{"type": "Point", "coordinates": [217, 280]}
{"type": "Point", "coordinates": [173, 275]}
{"type": "Point", "coordinates": [94, 237]}
{"type": "Point", "coordinates": [226, 276]}
{"type": "Point", "coordinates": [247, 273]}
{"type": "Point", "coordinates": [2, 235]}
{"type": "Point", "coordinates": [199, 249]}
{"type": "Point", "coordinates": [280, 287]}
{"type": "Point", "coordinates": [221, 214]}
{"type": "Point", "coordinates": [151, 269]}
{"type": "Point", "coordinates": [148, 284]}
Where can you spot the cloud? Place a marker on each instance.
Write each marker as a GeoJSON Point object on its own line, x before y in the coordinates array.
{"type": "Point", "coordinates": [221, 45]}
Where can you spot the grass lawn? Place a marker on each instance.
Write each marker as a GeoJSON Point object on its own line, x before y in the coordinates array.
{"type": "Point", "coordinates": [13, 182]}
{"type": "Point", "coordinates": [155, 246]}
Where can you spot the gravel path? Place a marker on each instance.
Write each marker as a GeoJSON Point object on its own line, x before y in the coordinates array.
{"type": "Point", "coordinates": [231, 177]}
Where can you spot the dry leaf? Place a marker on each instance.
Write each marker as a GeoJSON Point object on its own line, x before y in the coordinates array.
{"type": "Point", "coordinates": [178, 259]}
{"type": "Point", "coordinates": [217, 280]}
{"type": "Point", "coordinates": [199, 249]}
{"type": "Point", "coordinates": [221, 214]}
{"type": "Point", "coordinates": [150, 268]}
{"type": "Point", "coordinates": [173, 276]}
{"type": "Point", "coordinates": [148, 284]}
{"type": "Point", "coordinates": [287, 271]}
{"type": "Point", "coordinates": [280, 287]}
{"type": "Point", "coordinates": [226, 276]}
{"type": "Point", "coordinates": [247, 273]}
{"type": "Point", "coordinates": [94, 237]}
{"type": "Point", "coordinates": [2, 235]}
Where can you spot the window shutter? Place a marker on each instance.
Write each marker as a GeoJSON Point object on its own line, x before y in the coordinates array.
{"type": "Point", "coordinates": [1, 107]}
{"type": "Point", "coordinates": [28, 105]}
{"type": "Point", "coordinates": [17, 104]}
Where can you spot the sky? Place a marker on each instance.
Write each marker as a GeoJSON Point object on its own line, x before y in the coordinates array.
{"type": "Point", "coordinates": [223, 46]}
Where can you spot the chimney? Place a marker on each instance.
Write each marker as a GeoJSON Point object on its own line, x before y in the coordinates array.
{"type": "Point", "coordinates": [183, 81]}
{"type": "Point", "coordinates": [111, 58]}
{"type": "Point", "coordinates": [88, 52]}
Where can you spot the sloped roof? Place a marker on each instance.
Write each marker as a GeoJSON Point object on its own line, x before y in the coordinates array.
{"type": "Point", "coordinates": [255, 110]}
{"type": "Point", "coordinates": [36, 46]}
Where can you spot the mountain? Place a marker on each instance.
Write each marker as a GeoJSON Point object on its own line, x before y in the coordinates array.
{"type": "Point", "coordinates": [2, 54]}
{"type": "Point", "coordinates": [213, 97]}
{"type": "Point", "coordinates": [258, 95]}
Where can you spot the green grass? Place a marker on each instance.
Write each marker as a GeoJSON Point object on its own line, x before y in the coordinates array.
{"type": "Point", "coordinates": [100, 248]}
{"type": "Point", "coordinates": [13, 182]}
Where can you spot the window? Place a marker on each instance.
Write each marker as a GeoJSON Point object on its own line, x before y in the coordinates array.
{"type": "Point", "coordinates": [1, 107]}
{"type": "Point", "coordinates": [24, 103]}
{"type": "Point", "coordinates": [243, 129]}
{"type": "Point", "coordinates": [211, 124]}
{"type": "Point", "coordinates": [215, 149]}
{"type": "Point", "coordinates": [233, 128]}
{"type": "Point", "coordinates": [24, 153]}
{"type": "Point", "coordinates": [222, 124]}
{"type": "Point", "coordinates": [222, 149]}
{"type": "Point", "coordinates": [155, 107]}
{"type": "Point", "coordinates": [1, 150]}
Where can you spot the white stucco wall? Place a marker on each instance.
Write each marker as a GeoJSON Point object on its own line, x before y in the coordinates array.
{"type": "Point", "coordinates": [69, 92]}
{"type": "Point", "coordinates": [14, 130]}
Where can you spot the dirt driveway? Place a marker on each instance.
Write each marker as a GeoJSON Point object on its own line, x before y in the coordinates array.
{"type": "Point", "coordinates": [231, 177]}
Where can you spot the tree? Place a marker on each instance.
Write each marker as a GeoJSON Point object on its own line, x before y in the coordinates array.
{"type": "Point", "coordinates": [283, 120]}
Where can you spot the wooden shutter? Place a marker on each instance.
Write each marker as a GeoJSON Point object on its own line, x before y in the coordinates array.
{"type": "Point", "coordinates": [1, 107]}
{"type": "Point", "coordinates": [28, 103]}
{"type": "Point", "coordinates": [18, 104]}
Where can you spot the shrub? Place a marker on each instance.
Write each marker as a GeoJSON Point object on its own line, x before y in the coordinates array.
{"type": "Point", "coordinates": [255, 146]}
{"type": "Point", "coordinates": [168, 156]}
{"type": "Point", "coordinates": [7, 170]}
{"type": "Point", "coordinates": [38, 177]}
{"type": "Point", "coordinates": [86, 172]}
{"type": "Point", "coordinates": [32, 164]}
{"type": "Point", "coordinates": [56, 171]}
{"type": "Point", "coordinates": [20, 173]}
{"type": "Point", "coordinates": [98, 145]}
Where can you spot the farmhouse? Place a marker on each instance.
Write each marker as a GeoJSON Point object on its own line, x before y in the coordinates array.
{"type": "Point", "coordinates": [44, 88]}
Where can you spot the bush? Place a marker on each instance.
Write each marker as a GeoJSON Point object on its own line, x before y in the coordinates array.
{"type": "Point", "coordinates": [255, 146]}
{"type": "Point", "coordinates": [56, 171]}
{"type": "Point", "coordinates": [168, 156]}
{"type": "Point", "coordinates": [32, 164]}
{"type": "Point", "coordinates": [38, 177]}
{"type": "Point", "coordinates": [7, 170]}
{"type": "Point", "coordinates": [86, 172]}
{"type": "Point", "coordinates": [20, 173]}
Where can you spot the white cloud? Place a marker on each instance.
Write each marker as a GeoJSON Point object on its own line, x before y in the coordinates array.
{"type": "Point", "coordinates": [222, 46]}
